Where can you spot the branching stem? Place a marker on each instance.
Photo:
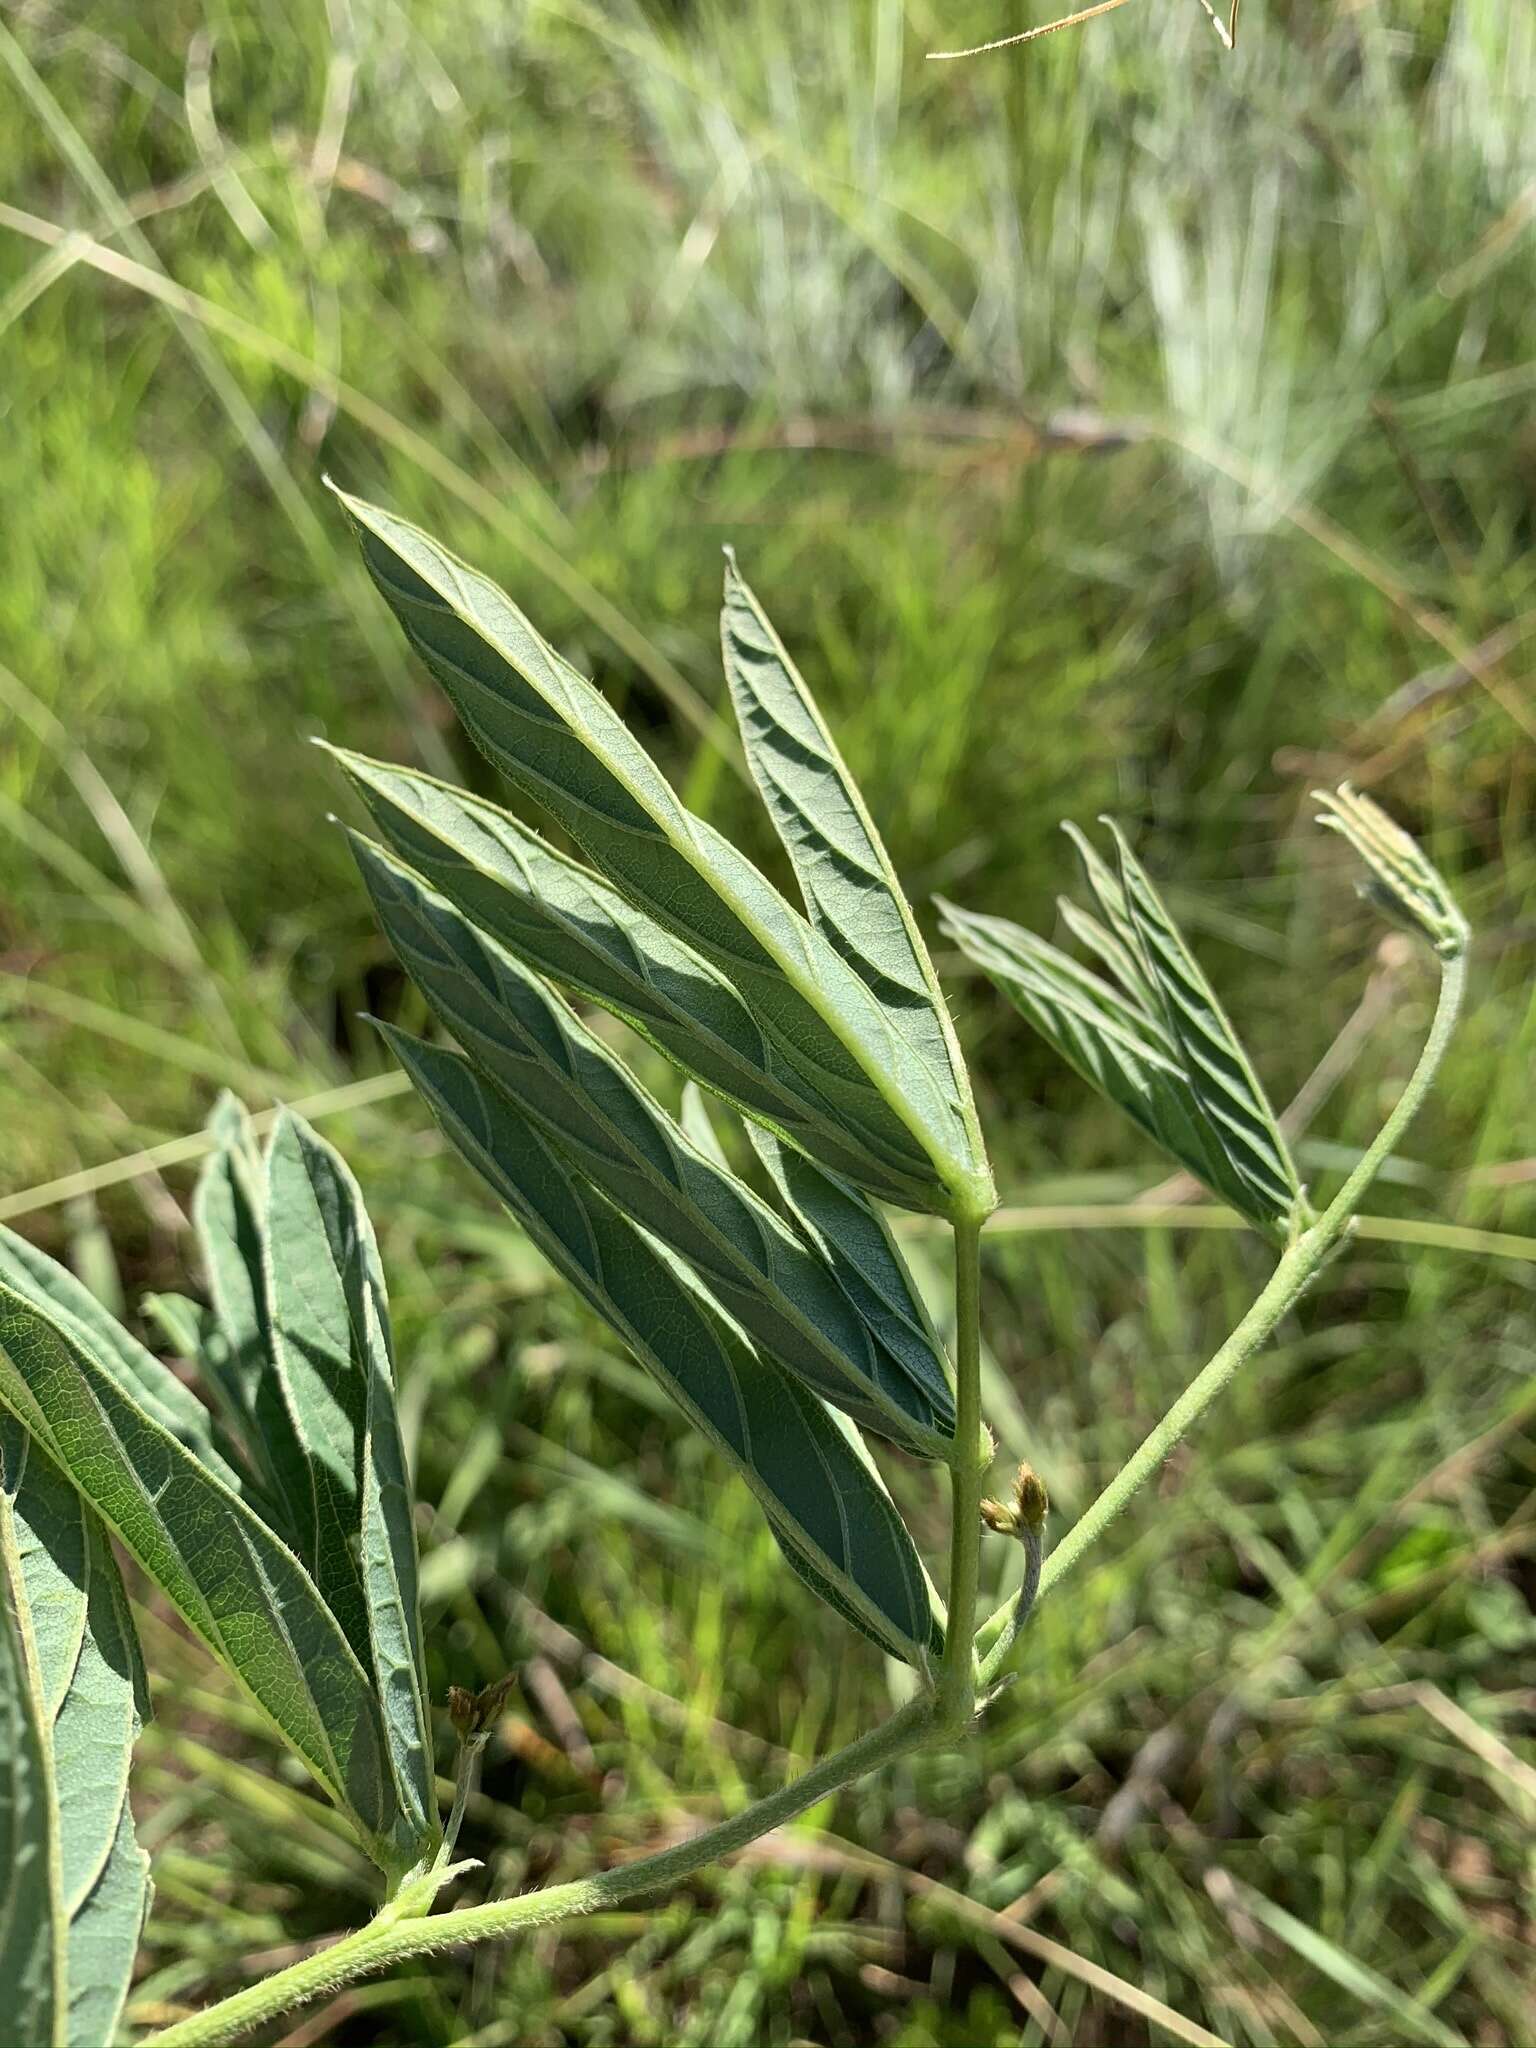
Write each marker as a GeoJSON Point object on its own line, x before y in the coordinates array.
{"type": "Point", "coordinates": [939, 1715]}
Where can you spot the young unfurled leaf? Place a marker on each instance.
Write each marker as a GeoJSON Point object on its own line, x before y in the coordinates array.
{"type": "Point", "coordinates": [1159, 1046]}
{"type": "Point", "coordinates": [1404, 886]}
{"type": "Point", "coordinates": [1235, 1109]}
{"type": "Point", "coordinates": [226, 1213]}
{"type": "Point", "coordinates": [593, 1112]}
{"type": "Point", "coordinates": [555, 736]}
{"type": "Point", "coordinates": [233, 1582]}
{"type": "Point", "coordinates": [331, 1356]}
{"type": "Point", "coordinates": [825, 1503]}
{"type": "Point", "coordinates": [72, 1699]}
{"type": "Point", "coordinates": [852, 895]}
{"type": "Point", "coordinates": [569, 925]}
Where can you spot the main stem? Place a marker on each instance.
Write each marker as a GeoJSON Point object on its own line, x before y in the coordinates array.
{"type": "Point", "coordinates": [939, 1715]}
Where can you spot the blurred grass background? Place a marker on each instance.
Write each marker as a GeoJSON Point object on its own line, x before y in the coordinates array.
{"type": "Point", "coordinates": [1109, 424]}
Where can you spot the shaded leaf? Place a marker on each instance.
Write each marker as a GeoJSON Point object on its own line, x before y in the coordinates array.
{"type": "Point", "coordinates": [331, 1355]}
{"type": "Point", "coordinates": [568, 924]}
{"type": "Point", "coordinates": [819, 1492]}
{"type": "Point", "coordinates": [555, 736]}
{"type": "Point", "coordinates": [1236, 1109]}
{"type": "Point", "coordinates": [185, 1325]}
{"type": "Point", "coordinates": [85, 1697]}
{"type": "Point", "coordinates": [851, 891]}
{"type": "Point", "coordinates": [592, 1110]}
{"type": "Point", "coordinates": [233, 1582]}
{"type": "Point", "coordinates": [226, 1213]}
{"type": "Point", "coordinates": [854, 1238]}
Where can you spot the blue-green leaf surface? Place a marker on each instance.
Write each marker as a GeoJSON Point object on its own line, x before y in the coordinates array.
{"type": "Point", "coordinates": [851, 891]}
{"type": "Point", "coordinates": [1158, 1045]}
{"type": "Point", "coordinates": [331, 1353]}
{"type": "Point", "coordinates": [233, 1582]}
{"type": "Point", "coordinates": [817, 1489]}
{"type": "Point", "coordinates": [555, 736]}
{"type": "Point", "coordinates": [72, 1646]}
{"type": "Point", "coordinates": [566, 923]}
{"type": "Point", "coordinates": [532, 1047]}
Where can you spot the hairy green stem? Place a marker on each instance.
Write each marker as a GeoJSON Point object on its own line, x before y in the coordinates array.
{"type": "Point", "coordinates": [389, 1939]}
{"type": "Point", "coordinates": [957, 1679]}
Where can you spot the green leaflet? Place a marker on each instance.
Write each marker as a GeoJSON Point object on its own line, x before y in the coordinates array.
{"type": "Point", "coordinates": [821, 1496]}
{"type": "Point", "coordinates": [137, 1372]}
{"type": "Point", "coordinates": [595, 1114]}
{"type": "Point", "coordinates": [554, 735]}
{"type": "Point", "coordinates": [331, 1355]}
{"type": "Point", "coordinates": [568, 924]}
{"type": "Point", "coordinates": [226, 1213]}
{"type": "Point", "coordinates": [224, 1571]}
{"type": "Point", "coordinates": [853, 1237]}
{"type": "Point", "coordinates": [852, 895]}
{"type": "Point", "coordinates": [1232, 1102]}
{"type": "Point", "coordinates": [1158, 1046]}
{"type": "Point", "coordinates": [77, 1884]}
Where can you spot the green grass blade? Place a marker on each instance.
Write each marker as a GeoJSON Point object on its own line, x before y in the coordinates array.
{"type": "Point", "coordinates": [79, 1650]}
{"type": "Point", "coordinates": [331, 1352]}
{"type": "Point", "coordinates": [231, 1580]}
{"type": "Point", "coordinates": [588, 1106]}
{"type": "Point", "coordinates": [852, 894]}
{"type": "Point", "coordinates": [555, 736]}
{"type": "Point", "coordinates": [792, 1452]}
{"type": "Point", "coordinates": [566, 923]}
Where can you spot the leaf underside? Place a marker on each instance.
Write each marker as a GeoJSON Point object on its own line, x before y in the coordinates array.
{"type": "Point", "coordinates": [1153, 1040]}
{"type": "Point", "coordinates": [554, 736]}
{"type": "Point", "coordinates": [826, 1504]}
{"type": "Point", "coordinates": [210, 1550]}
{"type": "Point", "coordinates": [72, 1700]}
{"type": "Point", "coordinates": [591, 1110]}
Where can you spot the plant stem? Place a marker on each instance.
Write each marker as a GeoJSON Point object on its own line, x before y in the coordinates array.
{"type": "Point", "coordinates": [385, 1941]}
{"type": "Point", "coordinates": [957, 1680]}
{"type": "Point", "coordinates": [939, 1715]}
{"type": "Point", "coordinates": [1284, 1287]}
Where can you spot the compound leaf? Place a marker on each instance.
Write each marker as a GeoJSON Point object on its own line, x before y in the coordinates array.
{"type": "Point", "coordinates": [550, 732]}
{"type": "Point", "coordinates": [140, 1375]}
{"type": "Point", "coordinates": [233, 1582]}
{"type": "Point", "coordinates": [1236, 1110]}
{"type": "Point", "coordinates": [566, 923]}
{"type": "Point", "coordinates": [331, 1354]}
{"type": "Point", "coordinates": [818, 1491]}
{"type": "Point", "coordinates": [587, 1106]}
